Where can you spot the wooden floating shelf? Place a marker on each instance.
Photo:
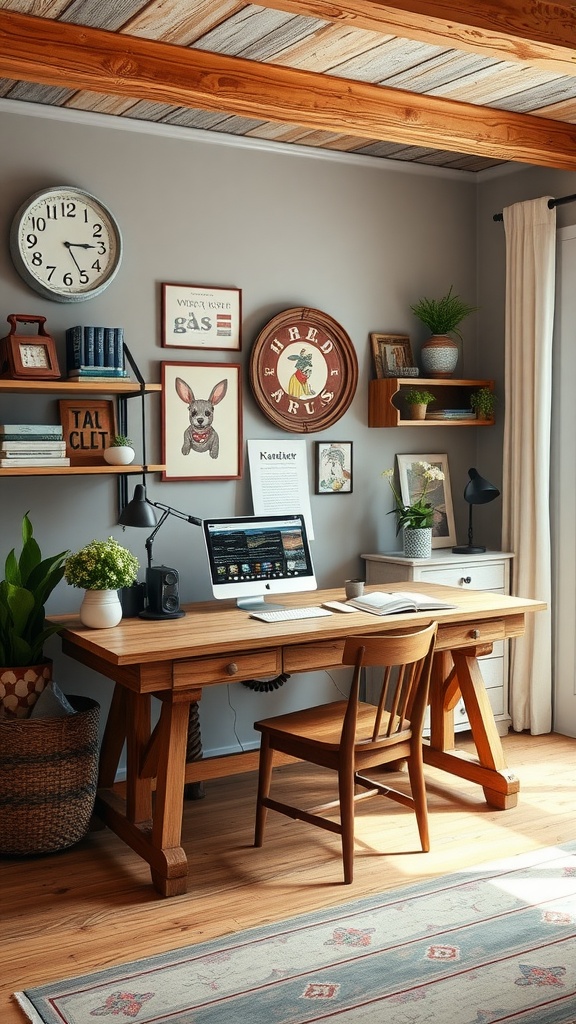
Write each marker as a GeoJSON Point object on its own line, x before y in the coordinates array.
{"type": "Point", "coordinates": [100, 470]}
{"type": "Point", "coordinates": [69, 387]}
{"type": "Point", "coordinates": [387, 403]}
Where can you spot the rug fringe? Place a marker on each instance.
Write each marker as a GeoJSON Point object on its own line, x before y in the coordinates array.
{"type": "Point", "coordinates": [30, 1011]}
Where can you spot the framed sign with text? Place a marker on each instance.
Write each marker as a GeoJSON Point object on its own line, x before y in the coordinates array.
{"type": "Point", "coordinates": [89, 426]}
{"type": "Point", "coordinates": [195, 316]}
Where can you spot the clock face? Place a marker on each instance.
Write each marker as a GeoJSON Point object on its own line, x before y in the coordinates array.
{"type": "Point", "coordinates": [65, 244]}
{"type": "Point", "coordinates": [303, 370]}
{"type": "Point", "coordinates": [34, 355]}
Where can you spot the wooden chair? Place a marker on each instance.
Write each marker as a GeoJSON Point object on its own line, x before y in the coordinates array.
{"type": "Point", "coordinates": [351, 736]}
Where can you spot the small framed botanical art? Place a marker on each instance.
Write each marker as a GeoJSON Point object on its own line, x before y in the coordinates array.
{"type": "Point", "coordinates": [438, 493]}
{"type": "Point", "coordinates": [194, 316]}
{"type": "Point", "coordinates": [391, 353]}
{"type": "Point", "coordinates": [333, 466]}
{"type": "Point", "coordinates": [201, 421]}
{"type": "Point", "coordinates": [89, 426]}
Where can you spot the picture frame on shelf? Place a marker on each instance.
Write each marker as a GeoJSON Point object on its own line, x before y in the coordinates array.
{"type": "Point", "coordinates": [201, 317]}
{"type": "Point", "coordinates": [439, 494]}
{"type": "Point", "coordinates": [88, 428]}
{"type": "Point", "coordinates": [201, 421]}
{"type": "Point", "coordinates": [333, 467]}
{"type": "Point", "coordinates": [391, 353]}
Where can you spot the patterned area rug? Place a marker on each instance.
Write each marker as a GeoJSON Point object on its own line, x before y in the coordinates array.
{"type": "Point", "coordinates": [483, 946]}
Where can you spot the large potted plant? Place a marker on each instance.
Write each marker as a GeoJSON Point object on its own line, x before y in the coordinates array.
{"type": "Point", "coordinates": [443, 317]}
{"type": "Point", "coordinates": [101, 568]}
{"type": "Point", "coordinates": [28, 582]}
{"type": "Point", "coordinates": [416, 518]}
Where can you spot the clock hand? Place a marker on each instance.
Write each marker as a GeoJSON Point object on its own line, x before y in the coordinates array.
{"type": "Point", "coordinates": [79, 245]}
{"type": "Point", "coordinates": [69, 247]}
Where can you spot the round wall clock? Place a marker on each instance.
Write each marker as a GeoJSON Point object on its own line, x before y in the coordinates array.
{"type": "Point", "coordinates": [65, 244]}
{"type": "Point", "coordinates": [303, 370]}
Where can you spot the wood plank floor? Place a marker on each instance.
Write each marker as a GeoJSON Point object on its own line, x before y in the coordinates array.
{"type": "Point", "coordinates": [93, 906]}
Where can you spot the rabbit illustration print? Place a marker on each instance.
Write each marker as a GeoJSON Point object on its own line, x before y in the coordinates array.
{"type": "Point", "coordinates": [201, 436]}
{"type": "Point", "coordinates": [202, 421]}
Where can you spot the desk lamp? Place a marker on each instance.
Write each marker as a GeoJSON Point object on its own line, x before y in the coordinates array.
{"type": "Point", "coordinates": [162, 582]}
{"type": "Point", "coordinates": [477, 492]}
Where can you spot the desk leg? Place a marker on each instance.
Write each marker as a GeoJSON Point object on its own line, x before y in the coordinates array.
{"type": "Point", "coordinates": [194, 790]}
{"type": "Point", "coordinates": [499, 783]}
{"type": "Point", "coordinates": [168, 861]}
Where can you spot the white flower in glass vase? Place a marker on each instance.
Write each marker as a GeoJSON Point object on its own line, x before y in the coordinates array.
{"type": "Point", "coordinates": [419, 513]}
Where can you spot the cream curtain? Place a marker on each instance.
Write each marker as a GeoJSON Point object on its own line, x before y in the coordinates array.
{"type": "Point", "coordinates": [530, 285]}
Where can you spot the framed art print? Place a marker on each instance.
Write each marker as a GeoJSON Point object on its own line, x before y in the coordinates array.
{"type": "Point", "coordinates": [333, 467]}
{"type": "Point", "coordinates": [391, 353]}
{"type": "Point", "coordinates": [439, 494]}
{"type": "Point", "coordinates": [201, 421]}
{"type": "Point", "coordinates": [194, 316]}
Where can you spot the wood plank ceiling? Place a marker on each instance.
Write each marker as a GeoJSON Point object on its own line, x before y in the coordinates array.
{"type": "Point", "coordinates": [424, 82]}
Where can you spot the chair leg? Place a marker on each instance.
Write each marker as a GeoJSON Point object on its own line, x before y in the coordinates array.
{"type": "Point", "coordinates": [418, 786]}
{"type": "Point", "coordinates": [264, 780]}
{"type": "Point", "coordinates": [346, 795]}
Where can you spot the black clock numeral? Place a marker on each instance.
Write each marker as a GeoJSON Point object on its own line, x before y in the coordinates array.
{"type": "Point", "coordinates": [50, 270]}
{"type": "Point", "coordinates": [68, 280]}
{"type": "Point", "coordinates": [51, 211]}
{"type": "Point", "coordinates": [69, 209]}
{"type": "Point", "coordinates": [102, 250]}
{"type": "Point", "coordinates": [37, 259]}
{"type": "Point", "coordinates": [96, 266]}
{"type": "Point", "coordinates": [97, 230]}
{"type": "Point", "coordinates": [31, 240]}
{"type": "Point", "coordinates": [84, 279]}
{"type": "Point", "coordinates": [38, 223]}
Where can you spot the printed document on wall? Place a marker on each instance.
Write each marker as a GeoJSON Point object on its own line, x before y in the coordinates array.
{"type": "Point", "coordinates": [279, 479]}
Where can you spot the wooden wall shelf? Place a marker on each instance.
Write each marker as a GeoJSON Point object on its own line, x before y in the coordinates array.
{"type": "Point", "coordinates": [387, 402]}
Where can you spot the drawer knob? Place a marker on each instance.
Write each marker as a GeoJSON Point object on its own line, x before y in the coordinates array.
{"type": "Point", "coordinates": [232, 668]}
{"type": "Point", "coordinates": [466, 579]}
{"type": "Point", "coordinates": [475, 634]}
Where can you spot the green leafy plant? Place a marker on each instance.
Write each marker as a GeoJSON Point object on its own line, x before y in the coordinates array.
{"type": "Point", "coordinates": [121, 441]}
{"type": "Point", "coordinates": [419, 396]}
{"type": "Point", "coordinates": [101, 565]}
{"type": "Point", "coordinates": [483, 402]}
{"type": "Point", "coordinates": [420, 513]}
{"type": "Point", "coordinates": [29, 581]}
{"type": "Point", "coordinates": [443, 316]}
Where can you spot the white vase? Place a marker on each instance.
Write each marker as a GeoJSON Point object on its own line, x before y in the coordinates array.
{"type": "Point", "coordinates": [119, 455]}
{"type": "Point", "coordinates": [100, 609]}
{"type": "Point", "coordinates": [418, 543]}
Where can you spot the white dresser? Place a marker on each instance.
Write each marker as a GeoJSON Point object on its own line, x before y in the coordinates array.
{"type": "Point", "coordinates": [488, 571]}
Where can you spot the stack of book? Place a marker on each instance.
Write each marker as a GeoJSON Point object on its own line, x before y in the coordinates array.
{"type": "Point", "coordinates": [95, 352]}
{"type": "Point", "coordinates": [32, 444]}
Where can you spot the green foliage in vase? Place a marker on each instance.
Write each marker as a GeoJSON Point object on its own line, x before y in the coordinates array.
{"type": "Point", "coordinates": [29, 580]}
{"type": "Point", "coordinates": [101, 565]}
{"type": "Point", "coordinates": [418, 396]}
{"type": "Point", "coordinates": [443, 316]}
{"type": "Point", "coordinates": [121, 441]}
{"type": "Point", "coordinates": [483, 402]}
{"type": "Point", "coordinates": [419, 514]}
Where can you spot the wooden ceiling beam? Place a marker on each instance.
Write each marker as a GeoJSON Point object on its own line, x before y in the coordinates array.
{"type": "Point", "coordinates": [76, 57]}
{"type": "Point", "coordinates": [531, 31]}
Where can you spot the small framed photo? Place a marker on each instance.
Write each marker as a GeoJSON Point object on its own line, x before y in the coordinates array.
{"type": "Point", "coordinates": [439, 494]}
{"type": "Point", "coordinates": [201, 421]}
{"type": "Point", "coordinates": [391, 353]}
{"type": "Point", "coordinates": [197, 316]}
{"type": "Point", "coordinates": [88, 428]}
{"type": "Point", "coordinates": [333, 467]}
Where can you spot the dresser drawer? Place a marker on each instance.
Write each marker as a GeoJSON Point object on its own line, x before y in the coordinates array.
{"type": "Point", "coordinates": [227, 669]}
{"type": "Point", "coordinates": [474, 577]}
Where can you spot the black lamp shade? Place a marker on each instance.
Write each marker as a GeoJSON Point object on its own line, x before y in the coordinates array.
{"type": "Point", "coordinates": [139, 511]}
{"type": "Point", "coordinates": [479, 491]}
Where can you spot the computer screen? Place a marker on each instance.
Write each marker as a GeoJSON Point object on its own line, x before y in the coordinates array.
{"type": "Point", "coordinates": [251, 557]}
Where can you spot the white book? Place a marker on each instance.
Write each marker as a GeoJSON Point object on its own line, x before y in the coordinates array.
{"type": "Point", "coordinates": [38, 460]}
{"type": "Point", "coordinates": [32, 447]}
{"type": "Point", "coordinates": [380, 603]}
{"type": "Point", "coordinates": [54, 429]}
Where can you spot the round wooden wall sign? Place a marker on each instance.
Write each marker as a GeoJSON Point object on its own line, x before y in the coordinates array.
{"type": "Point", "coordinates": [303, 370]}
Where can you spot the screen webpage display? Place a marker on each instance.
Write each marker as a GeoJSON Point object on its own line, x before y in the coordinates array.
{"type": "Point", "coordinates": [253, 556]}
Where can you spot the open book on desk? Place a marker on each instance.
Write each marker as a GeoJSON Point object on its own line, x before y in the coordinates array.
{"type": "Point", "coordinates": [380, 603]}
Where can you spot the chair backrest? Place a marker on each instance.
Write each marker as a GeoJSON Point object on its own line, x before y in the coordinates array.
{"type": "Point", "coordinates": [405, 659]}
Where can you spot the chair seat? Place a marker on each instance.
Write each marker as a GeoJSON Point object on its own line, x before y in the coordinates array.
{"type": "Point", "coordinates": [322, 726]}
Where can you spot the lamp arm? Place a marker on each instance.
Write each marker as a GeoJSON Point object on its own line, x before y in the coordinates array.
{"type": "Point", "coordinates": [167, 510]}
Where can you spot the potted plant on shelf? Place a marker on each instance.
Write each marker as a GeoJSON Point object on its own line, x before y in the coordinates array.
{"type": "Point", "coordinates": [28, 582]}
{"type": "Point", "coordinates": [418, 400]}
{"type": "Point", "coordinates": [101, 568]}
{"type": "Point", "coordinates": [120, 451]}
{"type": "Point", "coordinates": [443, 317]}
{"type": "Point", "coordinates": [483, 401]}
{"type": "Point", "coordinates": [417, 517]}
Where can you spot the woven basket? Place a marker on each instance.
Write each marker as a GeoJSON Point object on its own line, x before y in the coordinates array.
{"type": "Point", "coordinates": [48, 775]}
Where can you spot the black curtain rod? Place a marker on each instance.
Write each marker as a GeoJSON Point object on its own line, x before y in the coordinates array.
{"type": "Point", "coordinates": [551, 204]}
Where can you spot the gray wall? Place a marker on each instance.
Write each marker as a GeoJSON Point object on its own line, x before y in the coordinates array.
{"type": "Point", "coordinates": [358, 238]}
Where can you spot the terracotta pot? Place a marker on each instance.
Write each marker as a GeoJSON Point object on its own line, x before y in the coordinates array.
{"type": "Point", "coordinates": [439, 356]}
{"type": "Point", "coordinates": [20, 687]}
{"type": "Point", "coordinates": [418, 412]}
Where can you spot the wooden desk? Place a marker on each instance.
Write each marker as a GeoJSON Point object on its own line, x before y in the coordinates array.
{"type": "Point", "coordinates": [216, 643]}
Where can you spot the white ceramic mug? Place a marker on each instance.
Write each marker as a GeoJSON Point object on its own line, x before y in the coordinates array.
{"type": "Point", "coordinates": [354, 588]}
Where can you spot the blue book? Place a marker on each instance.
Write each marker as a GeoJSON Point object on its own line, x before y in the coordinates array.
{"type": "Point", "coordinates": [119, 346]}
{"type": "Point", "coordinates": [95, 372]}
{"type": "Point", "coordinates": [98, 346]}
{"type": "Point", "coordinates": [88, 346]}
{"type": "Point", "coordinates": [74, 347]}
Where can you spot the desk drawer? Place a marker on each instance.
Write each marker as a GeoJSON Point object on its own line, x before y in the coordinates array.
{"type": "Point", "coordinates": [452, 635]}
{"type": "Point", "coordinates": [227, 669]}
{"type": "Point", "coordinates": [310, 657]}
{"type": "Point", "coordinates": [471, 577]}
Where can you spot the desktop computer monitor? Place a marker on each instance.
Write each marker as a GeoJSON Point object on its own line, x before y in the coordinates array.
{"type": "Point", "coordinates": [251, 557]}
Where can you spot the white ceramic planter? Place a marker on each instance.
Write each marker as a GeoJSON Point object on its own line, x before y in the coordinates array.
{"type": "Point", "coordinates": [119, 456]}
{"type": "Point", "coordinates": [100, 609]}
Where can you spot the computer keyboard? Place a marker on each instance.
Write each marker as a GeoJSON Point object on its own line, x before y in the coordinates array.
{"type": "Point", "coordinates": [284, 614]}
